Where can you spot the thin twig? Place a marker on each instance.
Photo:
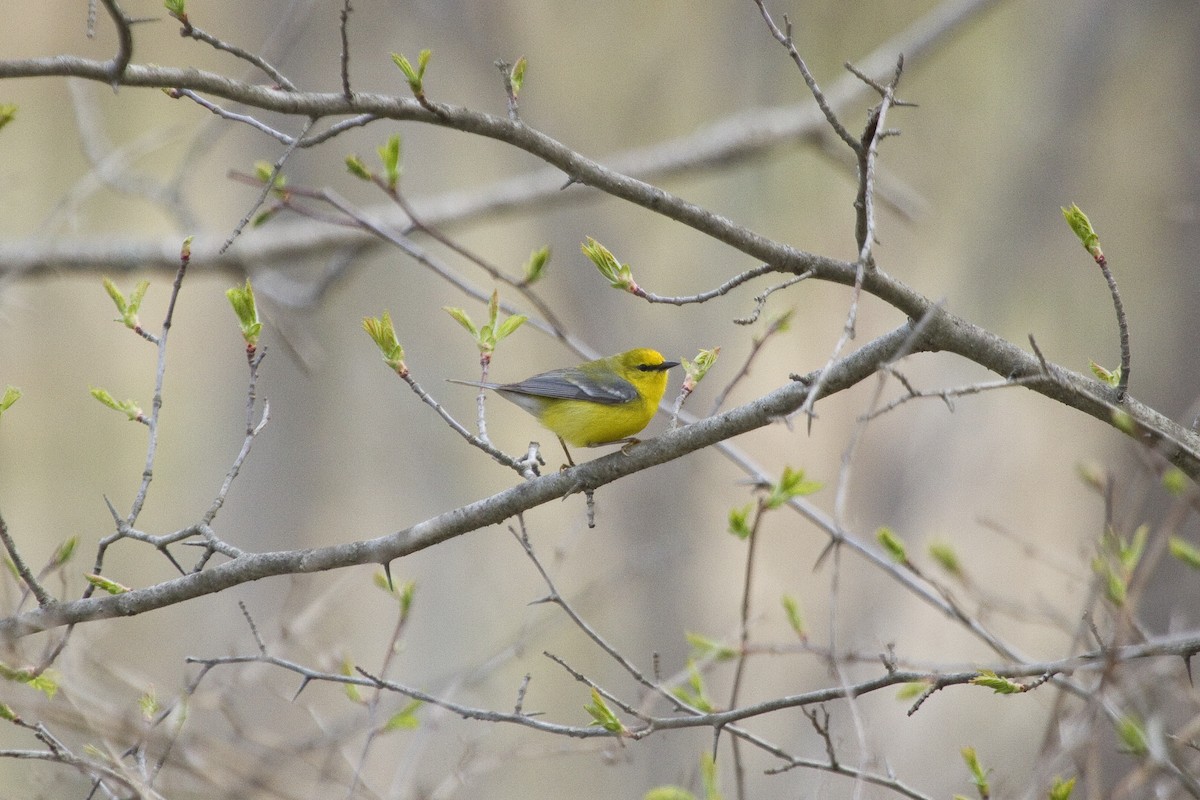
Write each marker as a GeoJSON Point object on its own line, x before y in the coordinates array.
{"type": "Point", "coordinates": [345, 59]}
{"type": "Point", "coordinates": [1122, 326]}
{"type": "Point", "coordinates": [43, 597]}
{"type": "Point", "coordinates": [785, 39]}
{"type": "Point", "coordinates": [744, 640]}
{"type": "Point", "coordinates": [160, 373]}
{"type": "Point", "coordinates": [268, 186]}
{"type": "Point", "coordinates": [281, 80]}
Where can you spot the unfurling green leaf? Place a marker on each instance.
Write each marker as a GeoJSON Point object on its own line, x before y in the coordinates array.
{"type": "Point", "coordinates": [1184, 551]}
{"type": "Point", "coordinates": [1133, 736]}
{"type": "Point", "coordinates": [44, 682]}
{"type": "Point", "coordinates": [997, 683]}
{"type": "Point", "coordinates": [1175, 481]}
{"type": "Point", "coordinates": [462, 318]}
{"type": "Point", "coordinates": [357, 168]}
{"type": "Point", "coordinates": [668, 793]}
{"type": "Point", "coordinates": [1123, 421]}
{"type": "Point", "coordinates": [893, 544]}
{"type": "Point", "coordinates": [694, 693]}
{"type": "Point", "coordinates": [264, 170]}
{"type": "Point", "coordinates": [241, 298]}
{"type": "Point", "coordinates": [11, 395]}
{"type": "Point", "coordinates": [1109, 377]}
{"type": "Point", "coordinates": [389, 156]}
{"type": "Point", "coordinates": [8, 113]}
{"type": "Point", "coordinates": [536, 265]}
{"type": "Point", "coordinates": [149, 704]}
{"type": "Point", "coordinates": [790, 486]}
{"type": "Point", "coordinates": [1061, 790]}
{"type": "Point", "coordinates": [618, 275]}
{"type": "Point", "coordinates": [946, 557]}
{"type": "Point", "coordinates": [496, 330]}
{"type": "Point", "coordinates": [694, 371]}
{"type": "Point", "coordinates": [383, 333]}
{"type": "Point", "coordinates": [347, 669]}
{"type": "Point", "coordinates": [704, 647]}
{"type": "Point", "coordinates": [1083, 229]}
{"type": "Point", "coordinates": [405, 719]}
{"type": "Point", "coordinates": [517, 76]}
{"type": "Point", "coordinates": [978, 773]}
{"type": "Point", "coordinates": [739, 521]}
{"type": "Point", "coordinates": [64, 552]}
{"type": "Point", "coordinates": [127, 308]}
{"type": "Point", "coordinates": [127, 407]}
{"type": "Point", "coordinates": [791, 607]}
{"type": "Point", "coordinates": [414, 76]}
{"type": "Point", "coordinates": [105, 584]}
{"type": "Point", "coordinates": [708, 777]}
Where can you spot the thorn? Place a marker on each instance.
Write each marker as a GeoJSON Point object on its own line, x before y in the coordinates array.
{"type": "Point", "coordinates": [387, 570]}
{"type": "Point", "coordinates": [1187, 662]}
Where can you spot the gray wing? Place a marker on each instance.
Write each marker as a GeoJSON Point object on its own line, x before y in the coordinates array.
{"type": "Point", "coordinates": [575, 384]}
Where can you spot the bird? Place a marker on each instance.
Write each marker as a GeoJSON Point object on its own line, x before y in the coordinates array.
{"type": "Point", "coordinates": [597, 403]}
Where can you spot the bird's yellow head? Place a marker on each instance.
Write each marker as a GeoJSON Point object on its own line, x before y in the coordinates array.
{"type": "Point", "coordinates": [646, 369]}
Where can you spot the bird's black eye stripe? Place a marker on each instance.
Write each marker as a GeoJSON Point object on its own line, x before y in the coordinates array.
{"type": "Point", "coordinates": [650, 367]}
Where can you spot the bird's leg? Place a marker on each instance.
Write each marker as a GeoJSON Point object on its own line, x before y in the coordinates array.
{"type": "Point", "coordinates": [570, 461]}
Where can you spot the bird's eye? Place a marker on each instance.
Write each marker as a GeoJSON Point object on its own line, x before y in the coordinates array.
{"type": "Point", "coordinates": [648, 367]}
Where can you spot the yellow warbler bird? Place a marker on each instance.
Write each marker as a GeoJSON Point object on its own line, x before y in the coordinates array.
{"type": "Point", "coordinates": [605, 401]}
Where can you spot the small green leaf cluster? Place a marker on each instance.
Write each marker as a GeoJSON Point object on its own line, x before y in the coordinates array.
{"type": "Point", "coordinates": [389, 157]}
{"type": "Point", "coordinates": [127, 307]}
{"type": "Point", "coordinates": [694, 371]}
{"type": "Point", "coordinates": [603, 716]}
{"type": "Point", "coordinates": [790, 486]}
{"type": "Point", "coordinates": [414, 76]}
{"type": "Point", "coordinates": [129, 408]}
{"type": "Point", "coordinates": [149, 704]}
{"type": "Point", "coordinates": [43, 682]}
{"type": "Point", "coordinates": [1117, 561]}
{"type": "Point", "coordinates": [494, 331]}
{"type": "Point", "coordinates": [694, 692]}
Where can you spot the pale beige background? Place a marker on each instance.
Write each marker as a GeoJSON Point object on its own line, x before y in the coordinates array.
{"type": "Point", "coordinates": [1036, 105]}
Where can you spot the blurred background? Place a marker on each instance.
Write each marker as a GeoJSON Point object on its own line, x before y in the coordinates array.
{"type": "Point", "coordinates": [1028, 107]}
